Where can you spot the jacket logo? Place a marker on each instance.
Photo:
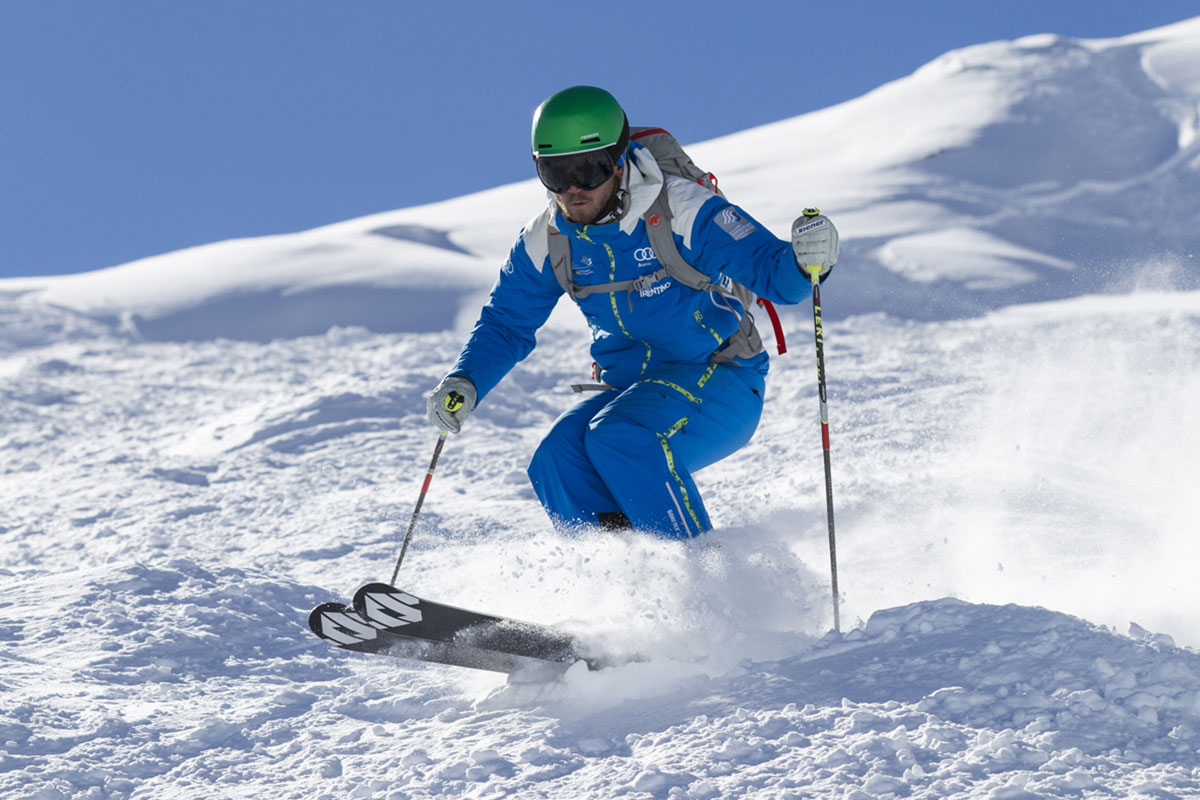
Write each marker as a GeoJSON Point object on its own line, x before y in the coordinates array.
{"type": "Point", "coordinates": [655, 290]}
{"type": "Point", "coordinates": [733, 223]}
{"type": "Point", "coordinates": [644, 254]}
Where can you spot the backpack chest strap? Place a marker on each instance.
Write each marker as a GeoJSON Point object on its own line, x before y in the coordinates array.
{"type": "Point", "coordinates": [560, 259]}
{"type": "Point", "coordinates": [635, 285]}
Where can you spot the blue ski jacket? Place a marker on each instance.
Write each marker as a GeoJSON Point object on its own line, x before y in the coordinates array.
{"type": "Point", "coordinates": [635, 333]}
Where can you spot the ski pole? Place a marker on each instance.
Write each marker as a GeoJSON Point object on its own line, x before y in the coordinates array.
{"type": "Point", "coordinates": [437, 451]}
{"type": "Point", "coordinates": [815, 272]}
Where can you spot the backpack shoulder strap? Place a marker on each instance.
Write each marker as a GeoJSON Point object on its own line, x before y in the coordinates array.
{"type": "Point", "coordinates": [658, 231]}
{"type": "Point", "coordinates": [560, 259]}
{"type": "Point", "coordinates": [746, 342]}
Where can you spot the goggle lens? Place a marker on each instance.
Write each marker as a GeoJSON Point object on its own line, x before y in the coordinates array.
{"type": "Point", "coordinates": [582, 170]}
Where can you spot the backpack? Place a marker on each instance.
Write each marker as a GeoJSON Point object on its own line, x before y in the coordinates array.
{"type": "Point", "coordinates": [673, 160]}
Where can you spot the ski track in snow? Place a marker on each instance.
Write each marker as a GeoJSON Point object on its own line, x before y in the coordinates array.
{"type": "Point", "coordinates": [172, 511]}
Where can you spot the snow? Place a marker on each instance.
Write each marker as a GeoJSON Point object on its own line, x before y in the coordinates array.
{"type": "Point", "coordinates": [201, 446]}
{"type": "Point", "coordinates": [976, 259]}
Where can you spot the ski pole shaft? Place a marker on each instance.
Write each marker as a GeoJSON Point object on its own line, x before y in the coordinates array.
{"type": "Point", "coordinates": [437, 451]}
{"type": "Point", "coordinates": [815, 272]}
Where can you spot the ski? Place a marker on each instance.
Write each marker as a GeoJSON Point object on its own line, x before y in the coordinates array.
{"type": "Point", "coordinates": [390, 621]}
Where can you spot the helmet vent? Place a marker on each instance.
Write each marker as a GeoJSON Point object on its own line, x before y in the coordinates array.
{"type": "Point", "coordinates": [589, 138]}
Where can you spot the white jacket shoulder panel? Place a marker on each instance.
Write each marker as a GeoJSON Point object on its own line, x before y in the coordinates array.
{"type": "Point", "coordinates": [536, 237]}
{"type": "Point", "coordinates": [685, 198]}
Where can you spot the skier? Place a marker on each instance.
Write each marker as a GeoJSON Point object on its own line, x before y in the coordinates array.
{"type": "Point", "coordinates": [682, 370]}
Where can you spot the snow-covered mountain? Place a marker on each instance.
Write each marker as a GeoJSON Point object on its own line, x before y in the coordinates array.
{"type": "Point", "coordinates": [200, 446]}
{"type": "Point", "coordinates": [1007, 172]}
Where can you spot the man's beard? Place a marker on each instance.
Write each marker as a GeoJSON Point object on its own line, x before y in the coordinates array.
{"type": "Point", "coordinates": [609, 210]}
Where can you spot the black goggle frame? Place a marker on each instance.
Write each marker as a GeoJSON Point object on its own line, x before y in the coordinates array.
{"type": "Point", "coordinates": [586, 170]}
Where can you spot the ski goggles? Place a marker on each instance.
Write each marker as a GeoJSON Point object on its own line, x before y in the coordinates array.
{"type": "Point", "coordinates": [586, 170]}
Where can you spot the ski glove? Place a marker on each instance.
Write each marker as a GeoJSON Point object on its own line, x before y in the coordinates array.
{"type": "Point", "coordinates": [814, 242]}
{"type": "Point", "coordinates": [451, 402]}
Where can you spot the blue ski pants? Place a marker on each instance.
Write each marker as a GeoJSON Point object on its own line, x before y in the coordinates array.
{"type": "Point", "coordinates": [634, 450]}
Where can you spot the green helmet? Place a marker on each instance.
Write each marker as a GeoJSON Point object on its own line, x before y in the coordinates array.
{"type": "Point", "coordinates": [579, 119]}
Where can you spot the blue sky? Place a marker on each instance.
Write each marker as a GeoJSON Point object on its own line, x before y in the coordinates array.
{"type": "Point", "coordinates": [137, 127]}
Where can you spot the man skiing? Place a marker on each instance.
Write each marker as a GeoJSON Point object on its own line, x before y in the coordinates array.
{"type": "Point", "coordinates": [682, 369]}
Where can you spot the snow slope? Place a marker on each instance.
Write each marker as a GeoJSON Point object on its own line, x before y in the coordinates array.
{"type": "Point", "coordinates": [200, 446]}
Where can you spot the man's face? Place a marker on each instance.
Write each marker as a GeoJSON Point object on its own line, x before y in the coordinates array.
{"type": "Point", "coordinates": [585, 206]}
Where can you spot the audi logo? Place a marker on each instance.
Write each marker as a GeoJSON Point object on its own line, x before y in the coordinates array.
{"type": "Point", "coordinates": [644, 254]}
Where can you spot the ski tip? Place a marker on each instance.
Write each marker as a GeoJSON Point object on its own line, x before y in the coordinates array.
{"type": "Point", "coordinates": [376, 586]}
{"type": "Point", "coordinates": [377, 589]}
{"type": "Point", "coordinates": [316, 616]}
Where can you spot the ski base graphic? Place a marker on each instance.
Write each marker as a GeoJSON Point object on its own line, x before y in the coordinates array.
{"type": "Point", "coordinates": [389, 621]}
